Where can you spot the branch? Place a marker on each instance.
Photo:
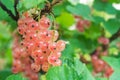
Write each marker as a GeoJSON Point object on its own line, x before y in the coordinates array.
{"type": "Point", "coordinates": [115, 36]}
{"type": "Point", "coordinates": [48, 7]}
{"type": "Point", "coordinates": [7, 10]}
{"type": "Point", "coordinates": [15, 7]}
{"type": "Point", "coordinates": [54, 2]}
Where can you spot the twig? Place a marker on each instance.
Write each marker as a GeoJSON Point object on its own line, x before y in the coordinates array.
{"type": "Point", "coordinates": [15, 7]}
{"type": "Point", "coordinates": [115, 36]}
{"type": "Point", "coordinates": [49, 6]}
{"type": "Point", "coordinates": [7, 10]}
{"type": "Point", "coordinates": [54, 2]}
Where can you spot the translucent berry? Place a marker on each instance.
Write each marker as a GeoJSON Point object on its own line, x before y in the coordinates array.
{"type": "Point", "coordinates": [61, 45]}
{"type": "Point", "coordinates": [57, 62]}
{"type": "Point", "coordinates": [44, 22]}
{"type": "Point", "coordinates": [45, 66]}
{"type": "Point", "coordinates": [54, 35]}
{"type": "Point", "coordinates": [35, 67]}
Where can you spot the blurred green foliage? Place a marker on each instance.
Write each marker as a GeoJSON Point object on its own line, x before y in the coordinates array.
{"type": "Point", "coordinates": [78, 42]}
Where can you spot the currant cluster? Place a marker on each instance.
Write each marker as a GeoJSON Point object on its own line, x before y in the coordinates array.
{"type": "Point", "coordinates": [39, 48]}
{"type": "Point", "coordinates": [21, 61]}
{"type": "Point", "coordinates": [82, 24]}
{"type": "Point", "coordinates": [103, 40]}
{"type": "Point", "coordinates": [99, 65]}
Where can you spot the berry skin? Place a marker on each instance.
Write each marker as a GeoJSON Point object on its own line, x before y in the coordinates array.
{"type": "Point", "coordinates": [103, 40]}
{"type": "Point", "coordinates": [98, 64]}
{"type": "Point", "coordinates": [54, 35]}
{"type": "Point", "coordinates": [44, 22]}
{"type": "Point", "coordinates": [61, 45]}
{"type": "Point", "coordinates": [108, 72]}
{"type": "Point", "coordinates": [57, 47]}
{"type": "Point", "coordinates": [36, 54]}
{"type": "Point", "coordinates": [45, 35]}
{"type": "Point", "coordinates": [35, 67]}
{"type": "Point", "coordinates": [45, 67]}
{"type": "Point", "coordinates": [57, 54]}
{"type": "Point", "coordinates": [82, 24]}
{"type": "Point", "coordinates": [52, 59]}
{"type": "Point", "coordinates": [16, 66]}
{"type": "Point", "coordinates": [53, 47]}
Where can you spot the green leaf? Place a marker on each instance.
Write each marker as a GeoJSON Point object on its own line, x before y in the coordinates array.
{"type": "Point", "coordinates": [65, 19]}
{"type": "Point", "coordinates": [94, 30]}
{"type": "Point", "coordinates": [113, 62]}
{"type": "Point", "coordinates": [68, 52]}
{"type": "Point", "coordinates": [114, 1]}
{"type": "Point", "coordinates": [115, 75]}
{"type": "Point", "coordinates": [80, 9]}
{"type": "Point", "coordinates": [104, 6]}
{"type": "Point", "coordinates": [15, 77]}
{"type": "Point", "coordinates": [78, 66]}
{"type": "Point", "coordinates": [74, 2]}
{"type": "Point", "coordinates": [4, 16]}
{"type": "Point", "coordinates": [112, 25]}
{"type": "Point", "coordinates": [28, 4]}
{"type": "Point", "coordinates": [82, 70]}
{"type": "Point", "coordinates": [98, 19]}
{"type": "Point", "coordinates": [4, 31]}
{"type": "Point", "coordinates": [8, 56]}
{"type": "Point", "coordinates": [74, 71]}
{"type": "Point", "coordinates": [113, 43]}
{"type": "Point", "coordinates": [5, 37]}
{"type": "Point", "coordinates": [58, 9]}
{"type": "Point", "coordinates": [4, 74]}
{"type": "Point", "coordinates": [101, 79]}
{"type": "Point", "coordinates": [9, 4]}
{"type": "Point", "coordinates": [63, 72]}
{"type": "Point", "coordinates": [82, 42]}
{"type": "Point", "coordinates": [118, 15]}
